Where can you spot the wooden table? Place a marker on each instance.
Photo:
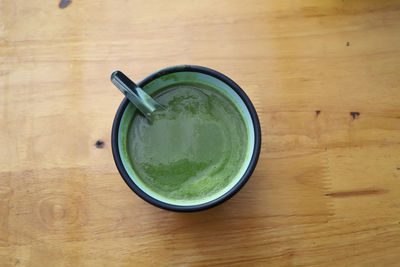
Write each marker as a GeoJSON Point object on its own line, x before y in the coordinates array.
{"type": "Point", "coordinates": [324, 77]}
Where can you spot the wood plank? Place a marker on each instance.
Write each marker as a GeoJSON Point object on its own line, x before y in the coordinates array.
{"type": "Point", "coordinates": [323, 76]}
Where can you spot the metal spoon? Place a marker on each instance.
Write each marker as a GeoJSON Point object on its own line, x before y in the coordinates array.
{"type": "Point", "coordinates": [145, 103]}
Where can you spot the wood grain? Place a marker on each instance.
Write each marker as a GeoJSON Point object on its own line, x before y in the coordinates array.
{"type": "Point", "coordinates": [324, 77]}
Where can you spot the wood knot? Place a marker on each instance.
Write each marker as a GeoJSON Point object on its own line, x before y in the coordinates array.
{"type": "Point", "coordinates": [64, 3]}
{"type": "Point", "coordinates": [56, 212]}
{"type": "Point", "coordinates": [355, 115]}
{"type": "Point", "coordinates": [99, 144]}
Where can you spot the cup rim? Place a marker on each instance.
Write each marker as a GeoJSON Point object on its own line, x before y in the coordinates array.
{"type": "Point", "coordinates": [242, 181]}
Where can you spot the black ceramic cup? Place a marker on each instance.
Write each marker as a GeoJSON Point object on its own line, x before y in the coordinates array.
{"type": "Point", "coordinates": [178, 75]}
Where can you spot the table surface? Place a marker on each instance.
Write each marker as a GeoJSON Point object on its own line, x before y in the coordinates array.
{"type": "Point", "coordinates": [324, 77]}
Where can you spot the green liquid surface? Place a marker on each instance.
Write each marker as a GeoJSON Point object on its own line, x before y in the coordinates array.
{"type": "Point", "coordinates": [193, 148]}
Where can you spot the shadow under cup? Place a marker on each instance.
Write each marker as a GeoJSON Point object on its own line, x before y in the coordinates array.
{"type": "Point", "coordinates": [187, 74]}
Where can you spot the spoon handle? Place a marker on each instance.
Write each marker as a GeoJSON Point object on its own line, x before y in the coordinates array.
{"type": "Point", "coordinates": [145, 103]}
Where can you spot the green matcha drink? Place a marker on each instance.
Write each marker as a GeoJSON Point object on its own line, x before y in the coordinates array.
{"type": "Point", "coordinates": [193, 148]}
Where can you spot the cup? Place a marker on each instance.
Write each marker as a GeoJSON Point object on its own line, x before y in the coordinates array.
{"type": "Point", "coordinates": [153, 85]}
